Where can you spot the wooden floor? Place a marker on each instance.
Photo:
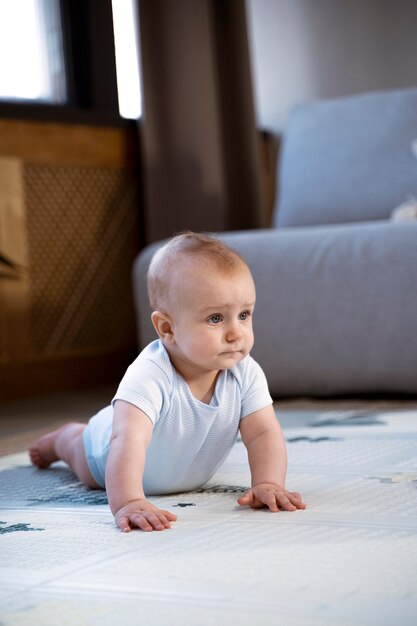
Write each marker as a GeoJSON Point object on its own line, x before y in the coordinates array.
{"type": "Point", "coordinates": [23, 421]}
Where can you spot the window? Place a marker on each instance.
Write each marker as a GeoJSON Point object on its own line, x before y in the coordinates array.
{"type": "Point", "coordinates": [32, 67]}
{"type": "Point", "coordinates": [127, 57]}
{"type": "Point", "coordinates": [71, 60]}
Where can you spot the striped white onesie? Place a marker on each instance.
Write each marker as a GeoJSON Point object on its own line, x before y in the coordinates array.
{"type": "Point", "coordinates": [190, 439]}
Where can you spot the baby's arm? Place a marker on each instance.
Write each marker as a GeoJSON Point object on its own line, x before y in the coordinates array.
{"type": "Point", "coordinates": [267, 454]}
{"type": "Point", "coordinates": [132, 432]}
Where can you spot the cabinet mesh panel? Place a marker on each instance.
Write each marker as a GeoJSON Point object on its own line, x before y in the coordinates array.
{"type": "Point", "coordinates": [82, 230]}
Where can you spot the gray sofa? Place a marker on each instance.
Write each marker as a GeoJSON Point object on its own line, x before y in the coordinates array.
{"type": "Point", "coordinates": [336, 279]}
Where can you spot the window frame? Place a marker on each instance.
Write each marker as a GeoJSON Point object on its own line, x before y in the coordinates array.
{"type": "Point", "coordinates": [90, 64]}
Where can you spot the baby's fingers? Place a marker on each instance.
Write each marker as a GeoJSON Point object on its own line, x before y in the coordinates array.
{"type": "Point", "coordinates": [169, 516]}
{"type": "Point", "coordinates": [154, 520]}
{"type": "Point", "coordinates": [249, 499]}
{"type": "Point", "coordinates": [289, 501]}
{"type": "Point", "coordinates": [123, 524]}
{"type": "Point", "coordinates": [284, 502]}
{"type": "Point", "coordinates": [296, 500]}
{"type": "Point", "coordinates": [138, 520]}
{"type": "Point", "coordinates": [246, 499]}
{"type": "Point", "coordinates": [145, 520]}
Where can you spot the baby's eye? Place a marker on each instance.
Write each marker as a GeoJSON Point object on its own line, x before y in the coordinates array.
{"type": "Point", "coordinates": [244, 315]}
{"type": "Point", "coordinates": [215, 319]}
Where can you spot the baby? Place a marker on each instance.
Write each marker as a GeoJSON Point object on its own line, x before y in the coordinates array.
{"type": "Point", "coordinates": [181, 403]}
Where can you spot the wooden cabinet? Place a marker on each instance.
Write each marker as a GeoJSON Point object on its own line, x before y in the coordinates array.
{"type": "Point", "coordinates": [69, 232]}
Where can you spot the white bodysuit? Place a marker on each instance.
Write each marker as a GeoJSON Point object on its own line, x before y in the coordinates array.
{"type": "Point", "coordinates": [190, 439]}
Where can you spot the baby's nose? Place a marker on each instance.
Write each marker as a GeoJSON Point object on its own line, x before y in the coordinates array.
{"type": "Point", "coordinates": [233, 331]}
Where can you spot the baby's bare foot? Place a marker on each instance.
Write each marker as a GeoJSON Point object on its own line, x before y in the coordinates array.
{"type": "Point", "coordinates": [42, 452]}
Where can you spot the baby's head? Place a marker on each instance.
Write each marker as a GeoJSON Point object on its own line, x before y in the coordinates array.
{"type": "Point", "coordinates": [184, 256]}
{"type": "Point", "coordinates": [203, 297]}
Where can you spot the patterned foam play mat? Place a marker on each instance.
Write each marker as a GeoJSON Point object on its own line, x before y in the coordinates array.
{"type": "Point", "coordinates": [350, 559]}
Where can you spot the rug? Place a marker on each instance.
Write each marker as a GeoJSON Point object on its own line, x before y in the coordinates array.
{"type": "Point", "coordinates": [350, 559]}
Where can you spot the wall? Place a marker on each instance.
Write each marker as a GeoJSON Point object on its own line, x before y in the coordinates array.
{"type": "Point", "coordinates": [308, 49]}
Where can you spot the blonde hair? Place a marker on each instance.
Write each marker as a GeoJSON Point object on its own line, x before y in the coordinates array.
{"type": "Point", "coordinates": [167, 262]}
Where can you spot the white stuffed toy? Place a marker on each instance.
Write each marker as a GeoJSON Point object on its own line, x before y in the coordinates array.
{"type": "Point", "coordinates": [407, 211]}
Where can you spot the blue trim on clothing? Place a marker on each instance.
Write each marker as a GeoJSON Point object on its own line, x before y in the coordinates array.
{"type": "Point", "coordinates": [93, 465]}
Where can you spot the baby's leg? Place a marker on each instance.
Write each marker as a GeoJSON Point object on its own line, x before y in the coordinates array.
{"type": "Point", "coordinates": [66, 444]}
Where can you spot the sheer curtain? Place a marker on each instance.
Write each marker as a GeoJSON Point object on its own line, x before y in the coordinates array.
{"type": "Point", "coordinates": [199, 142]}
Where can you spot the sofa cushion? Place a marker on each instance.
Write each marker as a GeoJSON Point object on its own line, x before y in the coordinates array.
{"type": "Point", "coordinates": [348, 160]}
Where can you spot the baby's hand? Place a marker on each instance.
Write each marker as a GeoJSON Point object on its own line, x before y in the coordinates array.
{"type": "Point", "coordinates": [144, 515]}
{"type": "Point", "coordinates": [274, 497]}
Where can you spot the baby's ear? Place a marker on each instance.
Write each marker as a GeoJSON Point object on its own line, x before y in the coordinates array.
{"type": "Point", "coordinates": [162, 325]}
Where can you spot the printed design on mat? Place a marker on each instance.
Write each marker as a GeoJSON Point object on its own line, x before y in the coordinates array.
{"type": "Point", "coordinates": [13, 528]}
{"type": "Point", "coordinates": [400, 477]}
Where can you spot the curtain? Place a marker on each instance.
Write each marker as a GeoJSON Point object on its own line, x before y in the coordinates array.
{"type": "Point", "coordinates": [198, 136]}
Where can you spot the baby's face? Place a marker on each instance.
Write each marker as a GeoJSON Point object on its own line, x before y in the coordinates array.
{"type": "Point", "coordinates": [212, 321]}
